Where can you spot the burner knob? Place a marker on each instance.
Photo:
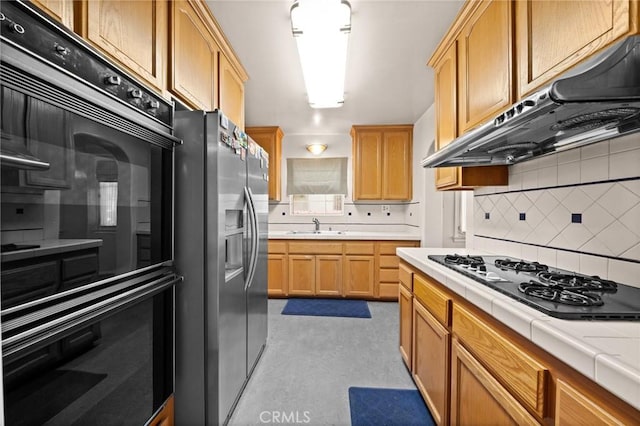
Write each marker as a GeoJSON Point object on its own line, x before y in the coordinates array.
{"type": "Point", "coordinates": [482, 268]}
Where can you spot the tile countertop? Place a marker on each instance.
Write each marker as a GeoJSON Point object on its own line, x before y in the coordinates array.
{"type": "Point", "coordinates": [49, 247]}
{"type": "Point", "coordinates": [345, 235]}
{"type": "Point", "coordinates": [607, 352]}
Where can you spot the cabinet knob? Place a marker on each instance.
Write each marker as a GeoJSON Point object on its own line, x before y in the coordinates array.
{"type": "Point", "coordinates": [135, 93]}
{"type": "Point", "coordinates": [112, 80]}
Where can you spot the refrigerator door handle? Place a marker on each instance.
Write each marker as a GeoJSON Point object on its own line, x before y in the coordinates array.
{"type": "Point", "coordinates": [255, 239]}
{"type": "Point", "coordinates": [252, 225]}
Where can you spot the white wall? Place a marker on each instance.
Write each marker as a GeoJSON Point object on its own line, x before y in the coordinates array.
{"type": "Point", "coordinates": [600, 182]}
{"type": "Point", "coordinates": [436, 207]}
{"type": "Point", "coordinates": [359, 216]}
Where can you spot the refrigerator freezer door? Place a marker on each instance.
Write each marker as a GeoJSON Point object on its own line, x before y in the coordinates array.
{"type": "Point", "coordinates": [257, 173]}
{"type": "Point", "coordinates": [226, 199]}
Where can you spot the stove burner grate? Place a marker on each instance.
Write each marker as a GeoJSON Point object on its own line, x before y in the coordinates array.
{"type": "Point", "coordinates": [559, 294]}
{"type": "Point", "coordinates": [457, 259]}
{"type": "Point", "coordinates": [520, 265]}
{"type": "Point", "coordinates": [578, 282]}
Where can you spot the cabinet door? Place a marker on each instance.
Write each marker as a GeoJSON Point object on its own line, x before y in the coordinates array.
{"type": "Point", "coordinates": [133, 33]}
{"type": "Point", "coordinates": [552, 36]}
{"type": "Point", "coordinates": [359, 275]}
{"type": "Point", "coordinates": [194, 57]}
{"type": "Point", "coordinates": [405, 301]}
{"type": "Point", "coordinates": [270, 139]}
{"type": "Point", "coordinates": [575, 408]}
{"type": "Point", "coordinates": [484, 64]}
{"type": "Point", "coordinates": [478, 398]}
{"type": "Point", "coordinates": [60, 10]}
{"type": "Point", "coordinates": [396, 165]}
{"type": "Point", "coordinates": [446, 112]}
{"type": "Point", "coordinates": [302, 275]}
{"type": "Point", "coordinates": [328, 275]}
{"type": "Point", "coordinates": [431, 346]}
{"type": "Point", "coordinates": [49, 138]}
{"type": "Point", "coordinates": [367, 165]}
{"type": "Point", "coordinates": [277, 275]}
{"type": "Point", "coordinates": [231, 90]}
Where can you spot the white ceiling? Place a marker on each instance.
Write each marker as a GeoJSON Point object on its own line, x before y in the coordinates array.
{"type": "Point", "coordinates": [387, 80]}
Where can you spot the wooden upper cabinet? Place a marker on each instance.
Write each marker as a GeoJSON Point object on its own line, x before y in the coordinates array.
{"type": "Point", "coordinates": [231, 92]}
{"type": "Point", "coordinates": [397, 156]}
{"type": "Point", "coordinates": [485, 64]}
{"type": "Point", "coordinates": [134, 33]}
{"type": "Point", "coordinates": [60, 10]}
{"type": "Point", "coordinates": [446, 94]}
{"type": "Point", "coordinates": [270, 139]}
{"type": "Point", "coordinates": [194, 56]}
{"type": "Point", "coordinates": [382, 162]}
{"type": "Point", "coordinates": [552, 36]}
{"type": "Point", "coordinates": [367, 165]}
{"type": "Point", "coordinates": [472, 82]}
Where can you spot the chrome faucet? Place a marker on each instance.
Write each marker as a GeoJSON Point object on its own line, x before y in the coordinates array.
{"type": "Point", "coordinates": [317, 222]}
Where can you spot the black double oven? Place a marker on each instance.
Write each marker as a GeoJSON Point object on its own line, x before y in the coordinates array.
{"type": "Point", "coordinates": [87, 285]}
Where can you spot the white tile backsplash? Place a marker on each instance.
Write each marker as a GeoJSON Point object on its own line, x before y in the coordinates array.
{"type": "Point", "coordinates": [582, 211]}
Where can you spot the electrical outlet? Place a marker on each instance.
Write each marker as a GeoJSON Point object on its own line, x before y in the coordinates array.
{"type": "Point", "coordinates": [386, 208]}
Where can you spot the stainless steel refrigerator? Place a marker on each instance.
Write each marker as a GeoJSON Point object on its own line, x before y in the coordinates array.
{"type": "Point", "coordinates": [221, 250]}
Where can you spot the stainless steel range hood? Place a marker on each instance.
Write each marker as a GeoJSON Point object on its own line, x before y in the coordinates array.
{"type": "Point", "coordinates": [598, 100]}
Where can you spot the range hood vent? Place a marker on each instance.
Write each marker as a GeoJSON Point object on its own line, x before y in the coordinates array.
{"type": "Point", "coordinates": [597, 100]}
{"type": "Point", "coordinates": [14, 154]}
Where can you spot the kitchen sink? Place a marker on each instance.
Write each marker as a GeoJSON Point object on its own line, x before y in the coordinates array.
{"type": "Point", "coordinates": [317, 232]}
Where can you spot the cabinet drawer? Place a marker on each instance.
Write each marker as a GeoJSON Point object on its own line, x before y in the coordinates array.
{"type": "Point", "coordinates": [391, 246]}
{"type": "Point", "coordinates": [389, 261]}
{"type": "Point", "coordinates": [388, 275]}
{"type": "Point", "coordinates": [524, 376]}
{"type": "Point", "coordinates": [21, 285]}
{"type": "Point", "coordinates": [277, 247]}
{"type": "Point", "coordinates": [79, 266]}
{"type": "Point", "coordinates": [437, 302]}
{"type": "Point", "coordinates": [358, 248]}
{"type": "Point", "coordinates": [315, 248]}
{"type": "Point", "coordinates": [388, 291]}
{"type": "Point", "coordinates": [405, 276]}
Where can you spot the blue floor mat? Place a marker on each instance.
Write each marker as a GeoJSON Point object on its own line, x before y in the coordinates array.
{"type": "Point", "coordinates": [388, 407]}
{"type": "Point", "coordinates": [327, 308]}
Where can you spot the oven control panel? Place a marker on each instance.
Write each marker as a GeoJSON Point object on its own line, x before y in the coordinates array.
{"type": "Point", "coordinates": [49, 42]}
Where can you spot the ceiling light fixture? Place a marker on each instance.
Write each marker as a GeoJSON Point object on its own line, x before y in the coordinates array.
{"type": "Point", "coordinates": [316, 148]}
{"type": "Point", "coordinates": [321, 29]}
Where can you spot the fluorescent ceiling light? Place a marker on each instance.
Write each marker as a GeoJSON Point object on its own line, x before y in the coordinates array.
{"type": "Point", "coordinates": [316, 148]}
{"type": "Point", "coordinates": [321, 29]}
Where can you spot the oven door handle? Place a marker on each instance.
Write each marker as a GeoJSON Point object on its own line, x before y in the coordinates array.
{"type": "Point", "coordinates": [52, 330]}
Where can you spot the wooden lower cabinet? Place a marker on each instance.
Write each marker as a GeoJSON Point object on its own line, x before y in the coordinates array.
{"type": "Point", "coordinates": [302, 274]}
{"type": "Point", "coordinates": [328, 275]}
{"type": "Point", "coordinates": [277, 275]}
{"type": "Point", "coordinates": [359, 276]}
{"type": "Point", "coordinates": [575, 408]}
{"type": "Point", "coordinates": [477, 398]}
{"type": "Point", "coordinates": [430, 361]}
{"type": "Point", "coordinates": [405, 301]}
{"type": "Point", "coordinates": [335, 268]}
{"type": "Point", "coordinates": [166, 415]}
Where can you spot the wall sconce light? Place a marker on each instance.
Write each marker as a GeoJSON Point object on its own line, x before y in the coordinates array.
{"type": "Point", "coordinates": [316, 148]}
{"type": "Point", "coordinates": [321, 29]}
